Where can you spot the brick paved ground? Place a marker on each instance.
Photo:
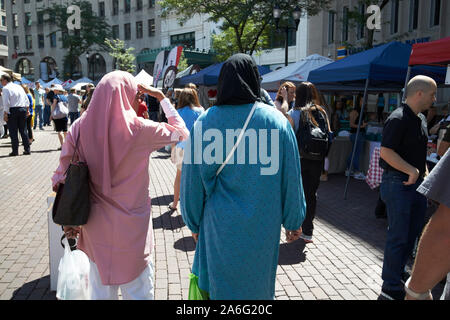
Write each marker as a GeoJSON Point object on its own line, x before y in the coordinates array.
{"type": "Point", "coordinates": [344, 262]}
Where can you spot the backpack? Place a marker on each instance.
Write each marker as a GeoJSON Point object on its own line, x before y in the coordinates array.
{"type": "Point", "coordinates": [313, 142]}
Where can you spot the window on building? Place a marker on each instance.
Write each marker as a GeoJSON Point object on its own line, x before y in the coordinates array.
{"type": "Point", "coordinates": [101, 9]}
{"type": "Point", "coordinates": [28, 42]}
{"type": "Point", "coordinates": [53, 40]}
{"type": "Point", "coordinates": [127, 31]}
{"type": "Point", "coordinates": [15, 20]}
{"type": "Point", "coordinates": [28, 20]}
{"type": "Point", "coordinates": [16, 42]}
{"type": "Point", "coordinates": [2, 4]}
{"type": "Point", "coordinates": [151, 28]}
{"type": "Point", "coordinates": [151, 3]}
{"type": "Point", "coordinates": [116, 32]}
{"type": "Point", "coordinates": [139, 30]}
{"type": "Point", "coordinates": [40, 18]}
{"type": "Point", "coordinates": [26, 1]}
{"type": "Point", "coordinates": [394, 16]}
{"type": "Point", "coordinates": [361, 26]}
{"type": "Point", "coordinates": [413, 14]}
{"type": "Point", "coordinates": [127, 6]}
{"type": "Point", "coordinates": [330, 27]}
{"type": "Point", "coordinates": [3, 40]}
{"type": "Point", "coordinates": [435, 12]}
{"type": "Point", "coordinates": [345, 24]}
{"type": "Point", "coordinates": [4, 21]}
{"type": "Point", "coordinates": [115, 7]}
{"type": "Point", "coordinates": [186, 39]}
{"type": "Point", "coordinates": [41, 41]}
{"type": "Point", "coordinates": [138, 5]}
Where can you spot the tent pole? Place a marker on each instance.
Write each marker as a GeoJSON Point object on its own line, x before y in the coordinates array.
{"type": "Point", "coordinates": [357, 134]}
{"type": "Point", "coordinates": [406, 83]}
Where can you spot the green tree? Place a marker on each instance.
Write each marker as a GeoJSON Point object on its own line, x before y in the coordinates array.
{"type": "Point", "coordinates": [183, 63]}
{"type": "Point", "coordinates": [242, 21]}
{"type": "Point", "coordinates": [123, 56]}
{"type": "Point", "coordinates": [94, 30]}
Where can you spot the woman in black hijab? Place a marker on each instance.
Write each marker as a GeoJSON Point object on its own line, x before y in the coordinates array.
{"type": "Point", "coordinates": [236, 213]}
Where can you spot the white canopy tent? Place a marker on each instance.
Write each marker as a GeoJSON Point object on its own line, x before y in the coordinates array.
{"type": "Point", "coordinates": [54, 81]}
{"type": "Point", "coordinates": [79, 83]}
{"type": "Point", "coordinates": [296, 72]}
{"type": "Point", "coordinates": [144, 78]}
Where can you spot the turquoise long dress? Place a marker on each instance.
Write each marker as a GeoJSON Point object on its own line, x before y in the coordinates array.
{"type": "Point", "coordinates": [239, 214]}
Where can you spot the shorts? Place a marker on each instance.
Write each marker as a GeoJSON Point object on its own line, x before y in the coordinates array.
{"type": "Point", "coordinates": [60, 124]}
{"type": "Point", "coordinates": [177, 157]}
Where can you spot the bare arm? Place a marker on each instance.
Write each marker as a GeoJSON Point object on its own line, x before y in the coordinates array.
{"type": "Point", "coordinates": [433, 256]}
{"type": "Point", "coordinates": [443, 147]}
{"type": "Point", "coordinates": [395, 161]}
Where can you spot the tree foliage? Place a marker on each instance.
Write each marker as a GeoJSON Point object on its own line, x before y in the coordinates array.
{"type": "Point", "coordinates": [123, 56]}
{"type": "Point", "coordinates": [356, 18]}
{"type": "Point", "coordinates": [243, 22]}
{"type": "Point", "coordinates": [94, 29]}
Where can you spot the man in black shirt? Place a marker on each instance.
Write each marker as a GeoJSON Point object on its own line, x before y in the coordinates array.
{"type": "Point", "coordinates": [403, 158]}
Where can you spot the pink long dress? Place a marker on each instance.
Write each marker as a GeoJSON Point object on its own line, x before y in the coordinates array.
{"type": "Point", "coordinates": [116, 146]}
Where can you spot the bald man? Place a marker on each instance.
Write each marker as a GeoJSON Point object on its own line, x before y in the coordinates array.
{"type": "Point", "coordinates": [403, 158]}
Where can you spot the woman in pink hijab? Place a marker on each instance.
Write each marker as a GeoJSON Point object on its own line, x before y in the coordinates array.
{"type": "Point", "coordinates": [116, 145]}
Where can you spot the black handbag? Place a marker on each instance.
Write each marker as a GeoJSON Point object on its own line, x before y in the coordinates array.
{"type": "Point", "coordinates": [72, 202]}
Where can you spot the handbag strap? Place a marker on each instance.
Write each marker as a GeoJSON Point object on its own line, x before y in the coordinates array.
{"type": "Point", "coordinates": [75, 152]}
{"type": "Point", "coordinates": [238, 140]}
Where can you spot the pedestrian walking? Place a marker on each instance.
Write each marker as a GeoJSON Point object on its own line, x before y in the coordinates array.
{"type": "Point", "coordinates": [153, 108]}
{"type": "Point", "coordinates": [54, 97]}
{"type": "Point", "coordinates": [433, 254]}
{"type": "Point", "coordinates": [142, 107]}
{"type": "Point", "coordinates": [226, 204]}
{"type": "Point", "coordinates": [16, 110]}
{"type": "Point", "coordinates": [116, 145]}
{"type": "Point", "coordinates": [47, 107]}
{"type": "Point", "coordinates": [2, 122]}
{"type": "Point", "coordinates": [39, 94]}
{"type": "Point", "coordinates": [73, 100]}
{"type": "Point", "coordinates": [403, 158]}
{"type": "Point", "coordinates": [189, 112]}
{"type": "Point", "coordinates": [312, 128]}
{"type": "Point", "coordinates": [381, 103]}
{"type": "Point", "coordinates": [30, 113]}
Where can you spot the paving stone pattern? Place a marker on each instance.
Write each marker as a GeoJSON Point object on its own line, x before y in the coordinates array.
{"type": "Point", "coordinates": [343, 263]}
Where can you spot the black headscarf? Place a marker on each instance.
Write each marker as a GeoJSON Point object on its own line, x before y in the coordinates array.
{"type": "Point", "coordinates": [239, 81]}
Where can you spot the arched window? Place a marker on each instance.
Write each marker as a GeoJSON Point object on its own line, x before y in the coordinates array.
{"type": "Point", "coordinates": [73, 71]}
{"type": "Point", "coordinates": [25, 68]}
{"type": "Point", "coordinates": [49, 69]}
{"type": "Point", "coordinates": [97, 66]}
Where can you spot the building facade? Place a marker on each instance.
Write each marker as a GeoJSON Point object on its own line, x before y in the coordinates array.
{"type": "Point", "coordinates": [36, 51]}
{"type": "Point", "coordinates": [3, 35]}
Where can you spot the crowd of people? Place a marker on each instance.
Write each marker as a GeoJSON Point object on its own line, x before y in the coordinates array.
{"type": "Point", "coordinates": [225, 206]}
{"type": "Point", "coordinates": [23, 108]}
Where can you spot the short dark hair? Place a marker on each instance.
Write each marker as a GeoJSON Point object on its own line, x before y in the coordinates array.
{"type": "Point", "coordinates": [73, 90]}
{"type": "Point", "coordinates": [6, 77]}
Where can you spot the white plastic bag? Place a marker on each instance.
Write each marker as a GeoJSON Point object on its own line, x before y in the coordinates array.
{"type": "Point", "coordinates": [73, 275]}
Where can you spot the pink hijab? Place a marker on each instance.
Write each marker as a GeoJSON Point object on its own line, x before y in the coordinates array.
{"type": "Point", "coordinates": [107, 127]}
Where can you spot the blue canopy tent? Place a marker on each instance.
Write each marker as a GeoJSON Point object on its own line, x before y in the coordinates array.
{"type": "Point", "coordinates": [210, 75]}
{"type": "Point", "coordinates": [381, 69]}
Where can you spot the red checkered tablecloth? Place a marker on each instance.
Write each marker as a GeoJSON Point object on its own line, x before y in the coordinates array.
{"type": "Point", "coordinates": [375, 172]}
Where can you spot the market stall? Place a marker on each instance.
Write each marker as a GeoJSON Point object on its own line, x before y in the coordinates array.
{"type": "Point", "coordinates": [380, 69]}
{"type": "Point", "coordinates": [295, 72]}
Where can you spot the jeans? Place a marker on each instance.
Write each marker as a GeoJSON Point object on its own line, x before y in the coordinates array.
{"type": "Point", "coordinates": [29, 127]}
{"type": "Point", "coordinates": [406, 209]}
{"type": "Point", "coordinates": [47, 111]}
{"type": "Point", "coordinates": [17, 122]}
{"type": "Point", "coordinates": [358, 148]}
{"type": "Point", "coordinates": [73, 116]}
{"type": "Point", "coordinates": [39, 115]}
{"type": "Point", "coordinates": [311, 171]}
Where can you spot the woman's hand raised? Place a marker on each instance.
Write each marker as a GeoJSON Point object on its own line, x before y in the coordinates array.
{"type": "Point", "coordinates": [154, 92]}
